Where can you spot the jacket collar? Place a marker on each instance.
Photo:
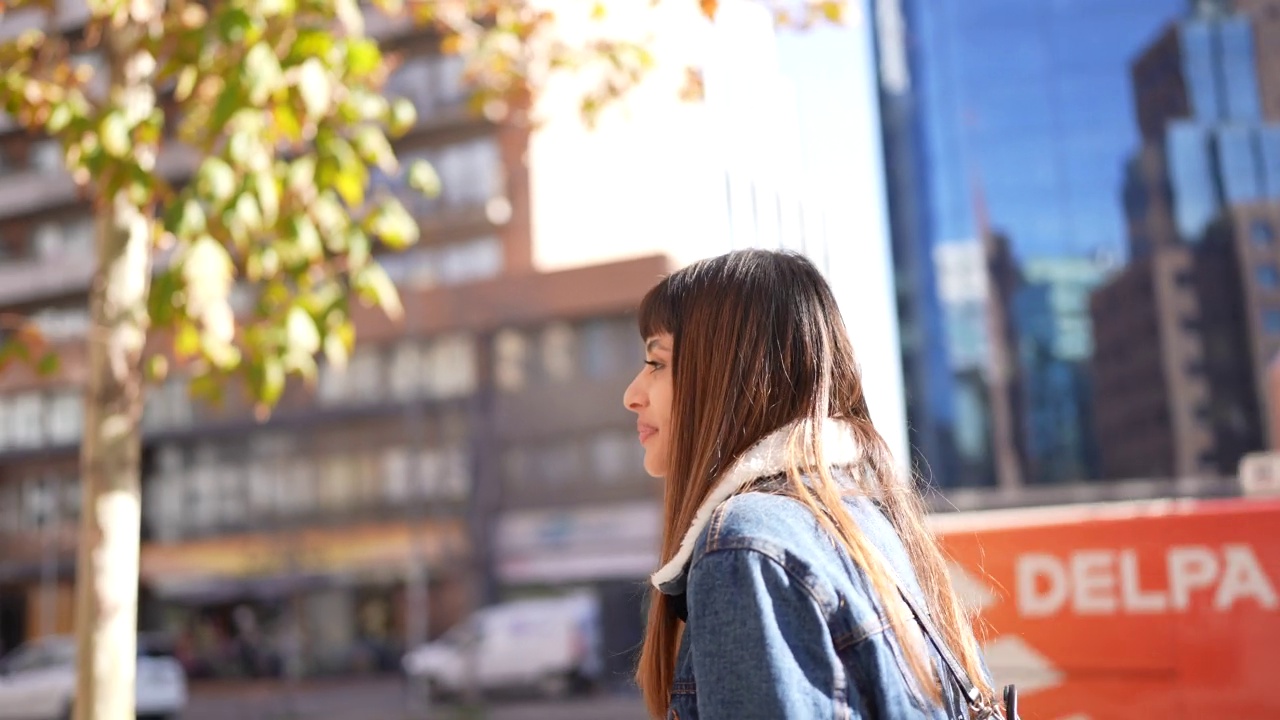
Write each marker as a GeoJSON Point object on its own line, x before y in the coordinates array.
{"type": "Point", "coordinates": [767, 457]}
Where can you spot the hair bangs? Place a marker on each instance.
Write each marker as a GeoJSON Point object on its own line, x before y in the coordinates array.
{"type": "Point", "coordinates": [658, 312]}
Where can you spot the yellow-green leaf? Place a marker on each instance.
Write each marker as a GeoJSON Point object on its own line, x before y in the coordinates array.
{"type": "Point", "coordinates": [216, 179]}
{"type": "Point", "coordinates": [262, 73]}
{"type": "Point", "coordinates": [307, 237]}
{"type": "Point", "coordinates": [363, 57]}
{"type": "Point", "coordinates": [286, 122]}
{"type": "Point", "coordinates": [191, 219]}
{"type": "Point", "coordinates": [60, 117]}
{"type": "Point", "coordinates": [376, 288]}
{"type": "Point", "coordinates": [186, 83]}
{"type": "Point", "coordinates": [393, 226]}
{"type": "Point", "coordinates": [114, 132]}
{"type": "Point", "coordinates": [335, 350]}
{"type": "Point", "coordinates": [268, 189]}
{"type": "Point", "coordinates": [301, 331]}
{"type": "Point", "coordinates": [273, 378]}
{"type": "Point", "coordinates": [157, 368]}
{"type": "Point", "coordinates": [315, 88]}
{"type": "Point", "coordinates": [423, 178]}
{"type": "Point", "coordinates": [375, 149]}
{"type": "Point", "coordinates": [248, 212]}
{"type": "Point", "coordinates": [48, 364]}
{"type": "Point", "coordinates": [186, 342]}
{"type": "Point", "coordinates": [403, 116]}
{"type": "Point", "coordinates": [302, 174]}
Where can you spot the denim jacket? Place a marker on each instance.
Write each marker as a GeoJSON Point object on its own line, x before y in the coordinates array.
{"type": "Point", "coordinates": [780, 623]}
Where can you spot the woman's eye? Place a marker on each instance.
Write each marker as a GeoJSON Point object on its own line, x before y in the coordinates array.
{"type": "Point", "coordinates": [654, 365]}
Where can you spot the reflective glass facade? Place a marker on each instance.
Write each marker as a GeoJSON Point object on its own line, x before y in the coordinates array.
{"type": "Point", "coordinates": [1224, 152]}
{"type": "Point", "coordinates": [1031, 101]}
{"type": "Point", "coordinates": [1027, 119]}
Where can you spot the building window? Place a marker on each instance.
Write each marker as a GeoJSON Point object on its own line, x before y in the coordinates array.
{"type": "Point", "coordinates": [366, 375]}
{"type": "Point", "coordinates": [450, 366]}
{"type": "Point", "coordinates": [452, 264]}
{"type": "Point", "coordinates": [446, 474]}
{"type": "Point", "coordinates": [1271, 321]}
{"type": "Point", "coordinates": [167, 406]}
{"type": "Point", "coordinates": [297, 488]}
{"type": "Point", "coordinates": [71, 497]}
{"type": "Point", "coordinates": [25, 415]}
{"type": "Point", "coordinates": [1261, 233]}
{"type": "Point", "coordinates": [1268, 277]}
{"type": "Point", "coordinates": [66, 417]}
{"type": "Point", "coordinates": [397, 487]}
{"type": "Point", "coordinates": [609, 347]}
{"type": "Point", "coordinates": [558, 351]}
{"type": "Point", "coordinates": [511, 358]}
{"type": "Point", "coordinates": [338, 479]}
{"type": "Point", "coordinates": [164, 502]}
{"type": "Point", "coordinates": [62, 323]}
{"type": "Point", "coordinates": [405, 368]}
{"type": "Point", "coordinates": [64, 239]}
{"type": "Point", "coordinates": [40, 502]}
{"type": "Point", "coordinates": [335, 384]}
{"type": "Point", "coordinates": [261, 473]}
{"type": "Point", "coordinates": [45, 156]}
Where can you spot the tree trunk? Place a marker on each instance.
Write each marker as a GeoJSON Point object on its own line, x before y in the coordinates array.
{"type": "Point", "coordinates": [107, 557]}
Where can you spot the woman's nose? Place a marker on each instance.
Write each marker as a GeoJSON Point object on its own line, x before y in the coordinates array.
{"type": "Point", "coordinates": [633, 397]}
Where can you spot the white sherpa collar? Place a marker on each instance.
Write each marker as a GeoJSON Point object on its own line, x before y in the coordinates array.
{"type": "Point", "coordinates": [767, 457]}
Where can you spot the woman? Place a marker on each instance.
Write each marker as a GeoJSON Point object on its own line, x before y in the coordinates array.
{"type": "Point", "coordinates": [787, 531]}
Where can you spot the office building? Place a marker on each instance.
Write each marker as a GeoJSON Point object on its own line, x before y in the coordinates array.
{"type": "Point", "coordinates": [1200, 196]}
{"type": "Point", "coordinates": [1024, 105]}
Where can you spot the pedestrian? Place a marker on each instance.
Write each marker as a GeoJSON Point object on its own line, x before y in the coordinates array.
{"type": "Point", "coordinates": [795, 555]}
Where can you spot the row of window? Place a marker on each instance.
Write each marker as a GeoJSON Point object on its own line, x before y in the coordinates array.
{"type": "Point", "coordinates": [440, 368]}
{"type": "Point", "coordinates": [431, 82]}
{"type": "Point", "coordinates": [428, 266]}
{"type": "Point", "coordinates": [559, 352]}
{"type": "Point", "coordinates": [470, 175]}
{"type": "Point", "coordinates": [607, 457]}
{"type": "Point", "coordinates": [35, 419]}
{"type": "Point", "coordinates": [51, 240]}
{"type": "Point", "coordinates": [203, 491]}
{"type": "Point", "coordinates": [419, 268]}
{"type": "Point", "coordinates": [33, 503]}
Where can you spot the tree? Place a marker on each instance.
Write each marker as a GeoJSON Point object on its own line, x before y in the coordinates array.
{"type": "Point", "coordinates": [277, 106]}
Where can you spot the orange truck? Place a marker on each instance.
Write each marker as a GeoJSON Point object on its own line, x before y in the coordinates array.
{"type": "Point", "coordinates": [1154, 609]}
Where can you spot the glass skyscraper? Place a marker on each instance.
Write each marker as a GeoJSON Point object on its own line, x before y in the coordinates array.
{"type": "Point", "coordinates": [1220, 150]}
{"type": "Point", "coordinates": [1023, 122]}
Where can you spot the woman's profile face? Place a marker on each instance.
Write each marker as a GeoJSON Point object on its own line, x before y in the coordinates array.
{"type": "Point", "coordinates": [649, 397]}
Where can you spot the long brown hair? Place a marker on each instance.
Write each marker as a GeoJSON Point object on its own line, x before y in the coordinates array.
{"type": "Point", "coordinates": [759, 344]}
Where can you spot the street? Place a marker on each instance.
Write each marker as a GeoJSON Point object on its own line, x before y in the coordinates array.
{"type": "Point", "coordinates": [383, 699]}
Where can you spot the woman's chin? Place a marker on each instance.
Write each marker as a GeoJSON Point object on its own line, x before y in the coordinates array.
{"type": "Point", "coordinates": [655, 470]}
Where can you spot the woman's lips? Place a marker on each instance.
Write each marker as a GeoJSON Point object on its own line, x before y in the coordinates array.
{"type": "Point", "coordinates": [645, 432]}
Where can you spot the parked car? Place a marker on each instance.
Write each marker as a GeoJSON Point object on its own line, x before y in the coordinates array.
{"type": "Point", "coordinates": [551, 645]}
{"type": "Point", "coordinates": [38, 682]}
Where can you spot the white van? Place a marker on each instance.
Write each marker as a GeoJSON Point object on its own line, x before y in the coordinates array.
{"type": "Point", "coordinates": [548, 644]}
